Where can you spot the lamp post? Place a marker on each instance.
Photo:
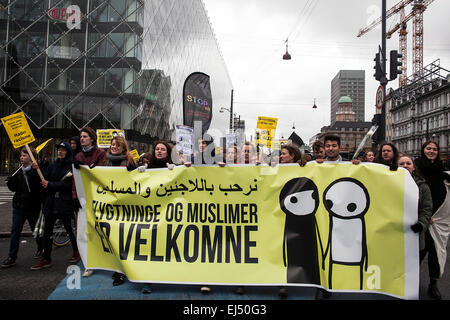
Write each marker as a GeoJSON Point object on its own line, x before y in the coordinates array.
{"type": "Point", "coordinates": [222, 109]}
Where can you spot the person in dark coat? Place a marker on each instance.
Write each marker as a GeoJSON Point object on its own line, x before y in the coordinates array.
{"type": "Point", "coordinates": [425, 204]}
{"type": "Point", "coordinates": [58, 204]}
{"type": "Point", "coordinates": [432, 169]}
{"type": "Point", "coordinates": [26, 203]}
{"type": "Point", "coordinates": [75, 144]}
{"type": "Point", "coordinates": [388, 155]}
{"type": "Point", "coordinates": [161, 157]}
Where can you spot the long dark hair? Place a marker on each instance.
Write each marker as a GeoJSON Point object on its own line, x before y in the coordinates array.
{"type": "Point", "coordinates": [168, 147]}
{"type": "Point", "coordinates": [379, 158]}
{"type": "Point", "coordinates": [422, 152]}
{"type": "Point", "coordinates": [293, 150]}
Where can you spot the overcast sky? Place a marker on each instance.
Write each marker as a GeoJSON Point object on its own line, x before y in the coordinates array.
{"type": "Point", "coordinates": [322, 40]}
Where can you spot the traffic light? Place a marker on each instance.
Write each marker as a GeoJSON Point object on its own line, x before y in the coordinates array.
{"type": "Point", "coordinates": [378, 69]}
{"type": "Point", "coordinates": [395, 65]}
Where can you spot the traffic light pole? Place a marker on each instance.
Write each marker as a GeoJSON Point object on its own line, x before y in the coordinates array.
{"type": "Point", "coordinates": [383, 81]}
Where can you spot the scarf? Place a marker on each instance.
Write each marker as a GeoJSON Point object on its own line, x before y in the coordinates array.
{"type": "Point", "coordinates": [25, 170]}
{"type": "Point", "coordinates": [88, 149]}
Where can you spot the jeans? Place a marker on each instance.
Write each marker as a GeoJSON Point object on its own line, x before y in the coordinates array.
{"type": "Point", "coordinates": [50, 220]}
{"type": "Point", "coordinates": [18, 220]}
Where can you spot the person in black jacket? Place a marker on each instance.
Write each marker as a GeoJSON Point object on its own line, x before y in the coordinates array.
{"type": "Point", "coordinates": [26, 203]}
{"type": "Point", "coordinates": [432, 169]}
{"type": "Point", "coordinates": [58, 203]}
{"type": "Point", "coordinates": [75, 144]}
{"type": "Point", "coordinates": [388, 155]}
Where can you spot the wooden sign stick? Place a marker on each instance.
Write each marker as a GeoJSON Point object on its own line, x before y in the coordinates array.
{"type": "Point", "coordinates": [34, 161]}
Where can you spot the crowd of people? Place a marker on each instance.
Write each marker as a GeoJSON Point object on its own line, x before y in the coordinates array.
{"type": "Point", "coordinates": [56, 194]}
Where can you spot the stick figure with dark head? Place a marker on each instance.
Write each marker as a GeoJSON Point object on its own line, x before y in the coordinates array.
{"type": "Point", "coordinates": [347, 201]}
{"type": "Point", "coordinates": [299, 200]}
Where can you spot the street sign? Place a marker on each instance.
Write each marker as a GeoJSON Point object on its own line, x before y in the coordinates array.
{"type": "Point", "coordinates": [380, 97]}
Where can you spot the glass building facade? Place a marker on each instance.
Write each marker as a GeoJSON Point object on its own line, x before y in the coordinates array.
{"type": "Point", "coordinates": [105, 64]}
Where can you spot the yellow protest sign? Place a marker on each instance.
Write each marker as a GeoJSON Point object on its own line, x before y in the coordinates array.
{"type": "Point", "coordinates": [267, 123]}
{"type": "Point", "coordinates": [18, 130]}
{"type": "Point", "coordinates": [265, 131]}
{"type": "Point", "coordinates": [135, 155]}
{"type": "Point", "coordinates": [104, 136]}
{"type": "Point", "coordinates": [265, 137]}
{"type": "Point", "coordinates": [328, 225]}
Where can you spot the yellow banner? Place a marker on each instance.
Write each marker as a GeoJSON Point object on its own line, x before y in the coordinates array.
{"type": "Point", "coordinates": [42, 145]}
{"type": "Point", "coordinates": [338, 226]}
{"type": "Point", "coordinates": [18, 130]}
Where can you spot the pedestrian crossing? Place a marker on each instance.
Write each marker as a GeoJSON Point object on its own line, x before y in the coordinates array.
{"type": "Point", "coordinates": [5, 195]}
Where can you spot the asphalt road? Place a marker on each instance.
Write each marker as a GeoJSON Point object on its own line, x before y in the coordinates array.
{"type": "Point", "coordinates": [21, 283]}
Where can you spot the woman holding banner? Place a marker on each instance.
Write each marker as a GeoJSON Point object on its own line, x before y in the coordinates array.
{"type": "Point", "coordinates": [425, 201]}
{"type": "Point", "coordinates": [119, 155]}
{"type": "Point", "coordinates": [432, 169]}
{"type": "Point", "coordinates": [161, 157]}
{"type": "Point", "coordinates": [91, 156]}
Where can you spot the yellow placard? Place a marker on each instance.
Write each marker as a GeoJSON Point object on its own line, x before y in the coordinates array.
{"type": "Point", "coordinates": [267, 123]}
{"type": "Point", "coordinates": [265, 137]}
{"type": "Point", "coordinates": [328, 225]}
{"type": "Point", "coordinates": [135, 155]}
{"type": "Point", "coordinates": [104, 136]}
{"type": "Point", "coordinates": [18, 130]}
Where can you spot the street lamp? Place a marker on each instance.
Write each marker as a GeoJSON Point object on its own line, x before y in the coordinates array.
{"type": "Point", "coordinates": [222, 109]}
{"type": "Point", "coordinates": [287, 56]}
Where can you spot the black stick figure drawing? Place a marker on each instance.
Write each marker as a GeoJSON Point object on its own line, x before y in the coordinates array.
{"type": "Point", "coordinates": [299, 199]}
{"type": "Point", "coordinates": [347, 201]}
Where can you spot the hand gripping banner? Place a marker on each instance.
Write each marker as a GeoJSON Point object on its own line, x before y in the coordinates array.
{"type": "Point", "coordinates": [342, 227]}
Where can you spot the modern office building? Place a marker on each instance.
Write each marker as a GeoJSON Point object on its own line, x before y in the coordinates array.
{"type": "Point", "coordinates": [420, 111]}
{"type": "Point", "coordinates": [105, 64]}
{"type": "Point", "coordinates": [349, 83]}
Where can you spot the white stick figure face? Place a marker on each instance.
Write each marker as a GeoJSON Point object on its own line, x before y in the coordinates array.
{"type": "Point", "coordinates": [299, 197]}
{"type": "Point", "coordinates": [300, 203]}
{"type": "Point", "coordinates": [346, 198]}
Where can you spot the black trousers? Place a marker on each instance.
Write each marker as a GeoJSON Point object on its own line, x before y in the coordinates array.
{"type": "Point", "coordinates": [50, 220]}
{"type": "Point", "coordinates": [433, 262]}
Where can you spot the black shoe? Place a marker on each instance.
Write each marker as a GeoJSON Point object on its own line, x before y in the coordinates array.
{"type": "Point", "coordinates": [119, 279]}
{"type": "Point", "coordinates": [38, 254]}
{"type": "Point", "coordinates": [283, 292]}
{"type": "Point", "coordinates": [433, 291]}
{"type": "Point", "coordinates": [239, 290]}
{"type": "Point", "coordinates": [8, 262]}
{"type": "Point", "coordinates": [322, 294]}
{"type": "Point", "coordinates": [146, 289]}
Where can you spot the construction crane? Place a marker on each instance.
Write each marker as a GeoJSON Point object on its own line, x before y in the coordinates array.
{"type": "Point", "coordinates": [417, 13]}
{"type": "Point", "coordinates": [419, 6]}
